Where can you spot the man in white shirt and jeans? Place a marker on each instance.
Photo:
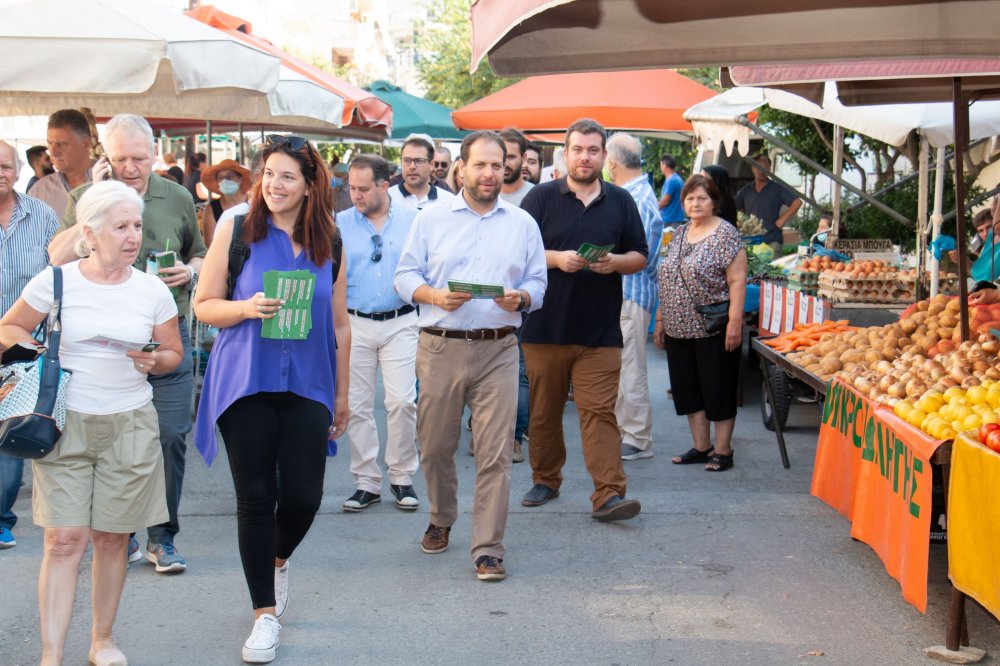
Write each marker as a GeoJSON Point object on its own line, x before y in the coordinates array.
{"type": "Point", "coordinates": [467, 351]}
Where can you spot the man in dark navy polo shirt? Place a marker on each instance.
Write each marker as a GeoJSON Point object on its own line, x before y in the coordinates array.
{"type": "Point", "coordinates": [576, 336]}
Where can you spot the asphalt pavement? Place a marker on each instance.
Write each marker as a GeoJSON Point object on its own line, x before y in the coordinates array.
{"type": "Point", "coordinates": [740, 567]}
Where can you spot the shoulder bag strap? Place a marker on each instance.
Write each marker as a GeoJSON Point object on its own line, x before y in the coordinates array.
{"type": "Point", "coordinates": [680, 266]}
{"type": "Point", "coordinates": [238, 254]}
{"type": "Point", "coordinates": [54, 330]}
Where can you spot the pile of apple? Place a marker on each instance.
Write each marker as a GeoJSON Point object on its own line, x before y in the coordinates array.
{"type": "Point", "coordinates": [989, 436]}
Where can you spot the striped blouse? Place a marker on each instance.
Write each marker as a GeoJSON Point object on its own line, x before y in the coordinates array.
{"type": "Point", "coordinates": [24, 246]}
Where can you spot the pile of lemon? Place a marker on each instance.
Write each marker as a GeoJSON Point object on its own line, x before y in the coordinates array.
{"type": "Point", "coordinates": [944, 415]}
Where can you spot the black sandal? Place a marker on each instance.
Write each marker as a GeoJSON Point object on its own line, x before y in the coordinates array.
{"type": "Point", "coordinates": [719, 463]}
{"type": "Point", "coordinates": [692, 456]}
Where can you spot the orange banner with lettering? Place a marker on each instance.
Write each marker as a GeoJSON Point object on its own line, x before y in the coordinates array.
{"type": "Point", "coordinates": [875, 469]}
{"type": "Point", "coordinates": [974, 522]}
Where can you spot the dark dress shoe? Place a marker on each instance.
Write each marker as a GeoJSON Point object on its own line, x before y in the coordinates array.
{"type": "Point", "coordinates": [539, 495]}
{"type": "Point", "coordinates": [617, 508]}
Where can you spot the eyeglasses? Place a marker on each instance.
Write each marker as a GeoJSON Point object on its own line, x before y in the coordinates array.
{"type": "Point", "coordinates": [442, 165]}
{"type": "Point", "coordinates": [293, 142]}
{"type": "Point", "coordinates": [377, 254]}
{"type": "Point", "coordinates": [414, 161]}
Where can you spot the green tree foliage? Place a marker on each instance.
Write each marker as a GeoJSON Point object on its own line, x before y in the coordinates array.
{"type": "Point", "coordinates": [445, 44]}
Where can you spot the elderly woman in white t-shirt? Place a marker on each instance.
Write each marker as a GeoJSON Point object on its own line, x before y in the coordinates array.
{"type": "Point", "coordinates": [104, 478]}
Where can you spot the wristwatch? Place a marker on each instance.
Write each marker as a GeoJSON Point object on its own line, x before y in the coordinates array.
{"type": "Point", "coordinates": [194, 273]}
{"type": "Point", "coordinates": [523, 305]}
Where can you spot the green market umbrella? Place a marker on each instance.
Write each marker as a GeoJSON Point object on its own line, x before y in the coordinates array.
{"type": "Point", "coordinates": [412, 114]}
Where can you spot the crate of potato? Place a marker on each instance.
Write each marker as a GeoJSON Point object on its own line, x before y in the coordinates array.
{"type": "Point", "coordinates": [947, 282]}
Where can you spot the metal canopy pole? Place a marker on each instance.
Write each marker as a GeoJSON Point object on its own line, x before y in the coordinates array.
{"type": "Point", "coordinates": [961, 118]}
{"type": "Point", "coordinates": [743, 120]}
{"type": "Point", "coordinates": [936, 219]}
{"type": "Point", "coordinates": [923, 190]}
{"type": "Point", "coordinates": [241, 145]}
{"type": "Point", "coordinates": [838, 170]}
{"type": "Point", "coordinates": [208, 132]}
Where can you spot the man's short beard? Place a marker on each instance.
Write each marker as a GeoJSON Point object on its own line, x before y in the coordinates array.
{"type": "Point", "coordinates": [584, 181]}
{"type": "Point", "coordinates": [512, 178]}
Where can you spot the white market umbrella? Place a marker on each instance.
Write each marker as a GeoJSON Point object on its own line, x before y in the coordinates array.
{"type": "Point", "coordinates": [117, 56]}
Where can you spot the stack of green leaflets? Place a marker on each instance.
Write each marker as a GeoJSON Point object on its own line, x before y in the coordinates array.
{"type": "Point", "coordinates": [593, 253]}
{"type": "Point", "coordinates": [476, 289]}
{"type": "Point", "coordinates": [294, 320]}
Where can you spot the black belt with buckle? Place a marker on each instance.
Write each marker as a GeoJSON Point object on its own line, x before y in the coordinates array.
{"type": "Point", "coordinates": [475, 334]}
{"type": "Point", "coordinates": [383, 316]}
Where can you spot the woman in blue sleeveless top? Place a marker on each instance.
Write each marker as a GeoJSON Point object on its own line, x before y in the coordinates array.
{"type": "Point", "coordinates": [276, 402]}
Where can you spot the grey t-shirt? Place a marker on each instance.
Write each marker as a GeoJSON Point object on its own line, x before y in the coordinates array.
{"type": "Point", "coordinates": [516, 198]}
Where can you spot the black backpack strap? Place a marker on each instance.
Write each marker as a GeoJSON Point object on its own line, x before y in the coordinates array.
{"type": "Point", "coordinates": [239, 252]}
{"type": "Point", "coordinates": [337, 243]}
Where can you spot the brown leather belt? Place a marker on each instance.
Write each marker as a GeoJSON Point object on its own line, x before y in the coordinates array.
{"type": "Point", "coordinates": [476, 334]}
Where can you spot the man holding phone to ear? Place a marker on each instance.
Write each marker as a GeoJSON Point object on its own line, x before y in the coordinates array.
{"type": "Point", "coordinates": [169, 223]}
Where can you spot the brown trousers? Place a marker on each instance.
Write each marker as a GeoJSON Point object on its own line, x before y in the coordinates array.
{"type": "Point", "coordinates": [484, 375]}
{"type": "Point", "coordinates": [594, 372]}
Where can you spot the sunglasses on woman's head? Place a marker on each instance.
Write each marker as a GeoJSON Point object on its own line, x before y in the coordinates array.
{"type": "Point", "coordinates": [293, 142]}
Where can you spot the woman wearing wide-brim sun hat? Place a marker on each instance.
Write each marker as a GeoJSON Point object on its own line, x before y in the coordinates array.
{"type": "Point", "coordinates": [230, 181]}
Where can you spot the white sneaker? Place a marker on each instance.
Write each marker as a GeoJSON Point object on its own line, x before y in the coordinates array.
{"type": "Point", "coordinates": [260, 648]}
{"type": "Point", "coordinates": [281, 589]}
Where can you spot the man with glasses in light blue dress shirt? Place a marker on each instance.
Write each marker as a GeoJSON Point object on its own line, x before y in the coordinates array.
{"type": "Point", "coordinates": [383, 335]}
{"type": "Point", "coordinates": [26, 227]}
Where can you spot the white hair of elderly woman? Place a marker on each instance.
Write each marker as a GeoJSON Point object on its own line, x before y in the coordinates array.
{"type": "Point", "coordinates": [93, 207]}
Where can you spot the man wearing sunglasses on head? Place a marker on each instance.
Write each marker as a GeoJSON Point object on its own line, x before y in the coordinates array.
{"type": "Point", "coordinates": [383, 335]}
{"type": "Point", "coordinates": [417, 190]}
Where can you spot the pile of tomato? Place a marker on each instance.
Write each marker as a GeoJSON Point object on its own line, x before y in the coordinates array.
{"type": "Point", "coordinates": [989, 436]}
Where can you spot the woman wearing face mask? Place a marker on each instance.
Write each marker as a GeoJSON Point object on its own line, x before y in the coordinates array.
{"type": "Point", "coordinates": [231, 182]}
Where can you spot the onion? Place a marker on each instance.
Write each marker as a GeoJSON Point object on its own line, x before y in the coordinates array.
{"type": "Point", "coordinates": [897, 390]}
{"type": "Point", "coordinates": [958, 373]}
{"type": "Point", "coordinates": [992, 373]}
{"type": "Point", "coordinates": [915, 387]}
{"type": "Point", "coordinates": [948, 382]}
{"type": "Point", "coordinates": [991, 346]}
{"type": "Point", "coordinates": [970, 381]}
{"type": "Point", "coordinates": [980, 367]}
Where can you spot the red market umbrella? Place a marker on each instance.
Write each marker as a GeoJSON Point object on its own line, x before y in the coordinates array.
{"type": "Point", "coordinates": [528, 37]}
{"type": "Point", "coordinates": [877, 82]}
{"type": "Point", "coordinates": [648, 101]}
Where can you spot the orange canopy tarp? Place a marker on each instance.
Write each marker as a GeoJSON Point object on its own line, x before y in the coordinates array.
{"type": "Point", "coordinates": [362, 110]}
{"type": "Point", "coordinates": [651, 100]}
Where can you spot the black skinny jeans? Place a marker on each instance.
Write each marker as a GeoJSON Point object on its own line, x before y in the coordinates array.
{"type": "Point", "coordinates": [276, 444]}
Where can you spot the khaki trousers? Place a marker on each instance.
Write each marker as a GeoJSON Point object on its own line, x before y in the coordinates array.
{"type": "Point", "coordinates": [633, 409]}
{"type": "Point", "coordinates": [594, 372]}
{"type": "Point", "coordinates": [482, 374]}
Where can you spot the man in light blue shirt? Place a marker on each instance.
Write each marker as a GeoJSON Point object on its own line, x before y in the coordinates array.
{"type": "Point", "coordinates": [26, 227]}
{"type": "Point", "coordinates": [671, 208]}
{"type": "Point", "coordinates": [633, 409]}
{"type": "Point", "coordinates": [383, 335]}
{"type": "Point", "coordinates": [467, 351]}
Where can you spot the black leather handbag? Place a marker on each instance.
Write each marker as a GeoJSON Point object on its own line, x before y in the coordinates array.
{"type": "Point", "coordinates": [715, 316]}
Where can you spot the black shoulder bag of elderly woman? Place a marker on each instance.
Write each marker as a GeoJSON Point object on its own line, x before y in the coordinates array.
{"type": "Point", "coordinates": [33, 407]}
{"type": "Point", "coordinates": [715, 316]}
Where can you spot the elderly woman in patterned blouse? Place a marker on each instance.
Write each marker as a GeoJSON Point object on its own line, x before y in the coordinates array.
{"type": "Point", "coordinates": [705, 264]}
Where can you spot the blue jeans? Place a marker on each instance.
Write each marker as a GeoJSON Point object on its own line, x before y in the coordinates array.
{"type": "Point", "coordinates": [523, 403]}
{"type": "Point", "coordinates": [11, 470]}
{"type": "Point", "coordinates": [172, 399]}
